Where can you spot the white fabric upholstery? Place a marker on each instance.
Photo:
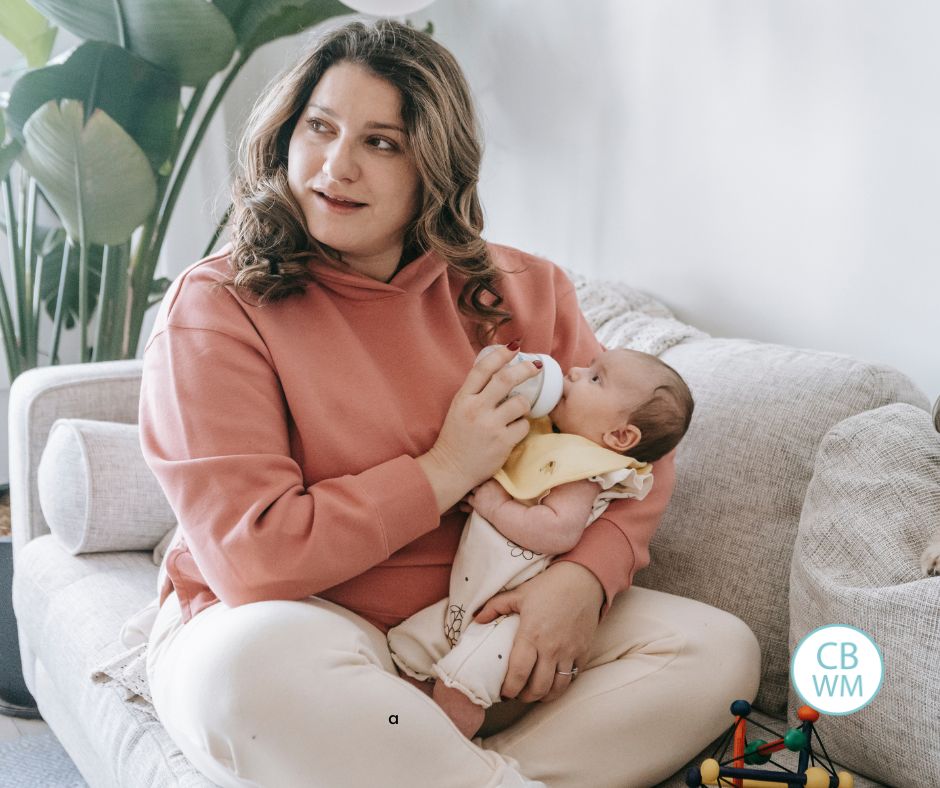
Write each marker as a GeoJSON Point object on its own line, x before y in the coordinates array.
{"type": "Point", "coordinates": [873, 500]}
{"type": "Point", "coordinates": [95, 490]}
{"type": "Point", "coordinates": [70, 610]}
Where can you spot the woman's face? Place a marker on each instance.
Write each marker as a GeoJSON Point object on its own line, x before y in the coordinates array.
{"type": "Point", "coordinates": [349, 144]}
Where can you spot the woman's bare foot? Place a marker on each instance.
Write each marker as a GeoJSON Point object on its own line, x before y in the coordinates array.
{"type": "Point", "coordinates": [465, 714]}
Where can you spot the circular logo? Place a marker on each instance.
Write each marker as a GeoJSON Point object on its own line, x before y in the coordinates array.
{"type": "Point", "coordinates": [837, 669]}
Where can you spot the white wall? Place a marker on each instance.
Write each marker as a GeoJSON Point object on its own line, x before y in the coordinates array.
{"type": "Point", "coordinates": [769, 169]}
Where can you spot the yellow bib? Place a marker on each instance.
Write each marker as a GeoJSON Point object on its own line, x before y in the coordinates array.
{"type": "Point", "coordinates": [545, 459]}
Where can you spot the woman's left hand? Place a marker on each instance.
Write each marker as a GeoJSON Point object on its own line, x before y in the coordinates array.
{"type": "Point", "coordinates": [559, 611]}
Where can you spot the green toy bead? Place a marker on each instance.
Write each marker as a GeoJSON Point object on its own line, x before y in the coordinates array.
{"type": "Point", "coordinates": [794, 740]}
{"type": "Point", "coordinates": [751, 756]}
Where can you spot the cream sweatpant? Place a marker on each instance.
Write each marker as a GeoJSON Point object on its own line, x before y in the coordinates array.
{"type": "Point", "coordinates": [305, 695]}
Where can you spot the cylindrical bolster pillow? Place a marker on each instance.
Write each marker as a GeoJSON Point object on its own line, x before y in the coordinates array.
{"type": "Point", "coordinates": [95, 490]}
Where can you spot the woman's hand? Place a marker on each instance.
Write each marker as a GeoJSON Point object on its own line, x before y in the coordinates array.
{"type": "Point", "coordinates": [482, 426]}
{"type": "Point", "coordinates": [559, 611]}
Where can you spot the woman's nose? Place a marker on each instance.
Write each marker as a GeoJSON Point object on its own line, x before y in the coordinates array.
{"type": "Point", "coordinates": [340, 161]}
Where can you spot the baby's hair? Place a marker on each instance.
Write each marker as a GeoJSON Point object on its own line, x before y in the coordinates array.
{"type": "Point", "coordinates": [664, 418]}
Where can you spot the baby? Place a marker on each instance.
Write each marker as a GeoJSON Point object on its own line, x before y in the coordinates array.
{"type": "Point", "coordinates": [614, 418]}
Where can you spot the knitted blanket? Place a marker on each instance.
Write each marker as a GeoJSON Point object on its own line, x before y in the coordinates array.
{"type": "Point", "coordinates": [619, 315]}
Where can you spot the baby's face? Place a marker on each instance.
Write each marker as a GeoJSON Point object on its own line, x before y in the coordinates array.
{"type": "Point", "coordinates": [594, 398]}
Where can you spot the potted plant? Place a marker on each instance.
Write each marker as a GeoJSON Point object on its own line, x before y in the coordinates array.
{"type": "Point", "coordinates": [94, 150]}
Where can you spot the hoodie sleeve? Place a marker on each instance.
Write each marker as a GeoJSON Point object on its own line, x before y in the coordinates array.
{"type": "Point", "coordinates": [616, 545]}
{"type": "Point", "coordinates": [214, 429]}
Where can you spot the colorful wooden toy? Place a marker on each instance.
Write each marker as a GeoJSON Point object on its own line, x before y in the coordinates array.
{"type": "Point", "coordinates": [731, 771]}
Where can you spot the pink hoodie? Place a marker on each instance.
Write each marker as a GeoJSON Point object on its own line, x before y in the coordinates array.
{"type": "Point", "coordinates": [285, 436]}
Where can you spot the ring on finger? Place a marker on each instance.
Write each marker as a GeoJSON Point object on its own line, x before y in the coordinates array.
{"type": "Point", "coordinates": [573, 672]}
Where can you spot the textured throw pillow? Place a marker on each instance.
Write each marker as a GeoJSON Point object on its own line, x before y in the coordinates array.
{"type": "Point", "coordinates": [872, 503]}
{"type": "Point", "coordinates": [761, 411]}
{"type": "Point", "coordinates": [95, 490]}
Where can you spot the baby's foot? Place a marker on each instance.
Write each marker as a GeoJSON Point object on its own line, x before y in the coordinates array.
{"type": "Point", "coordinates": [465, 714]}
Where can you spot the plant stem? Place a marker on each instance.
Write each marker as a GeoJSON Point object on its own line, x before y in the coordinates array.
{"type": "Point", "coordinates": [60, 302]}
{"type": "Point", "coordinates": [6, 318]}
{"type": "Point", "coordinates": [166, 209]}
{"type": "Point", "coordinates": [218, 231]}
{"type": "Point", "coordinates": [185, 123]}
{"type": "Point", "coordinates": [103, 312]}
{"type": "Point", "coordinates": [19, 291]}
{"type": "Point", "coordinates": [82, 271]}
{"type": "Point", "coordinates": [29, 336]}
{"type": "Point", "coordinates": [144, 249]}
{"type": "Point", "coordinates": [147, 262]}
{"type": "Point", "coordinates": [37, 300]}
{"type": "Point", "coordinates": [121, 25]}
{"type": "Point", "coordinates": [118, 321]}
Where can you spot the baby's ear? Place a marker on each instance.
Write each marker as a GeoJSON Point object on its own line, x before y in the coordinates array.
{"type": "Point", "coordinates": [620, 440]}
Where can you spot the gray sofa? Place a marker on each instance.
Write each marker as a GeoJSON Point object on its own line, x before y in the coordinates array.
{"type": "Point", "coordinates": [771, 424]}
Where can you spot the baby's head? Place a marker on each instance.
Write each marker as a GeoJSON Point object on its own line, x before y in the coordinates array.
{"type": "Point", "coordinates": [627, 401]}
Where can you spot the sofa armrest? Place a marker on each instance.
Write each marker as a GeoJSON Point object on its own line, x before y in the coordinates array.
{"type": "Point", "coordinates": [106, 391]}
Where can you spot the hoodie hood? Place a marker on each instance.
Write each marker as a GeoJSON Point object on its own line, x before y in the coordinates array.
{"type": "Point", "coordinates": [414, 278]}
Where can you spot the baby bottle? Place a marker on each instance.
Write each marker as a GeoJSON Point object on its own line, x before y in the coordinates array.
{"type": "Point", "coordinates": [542, 391]}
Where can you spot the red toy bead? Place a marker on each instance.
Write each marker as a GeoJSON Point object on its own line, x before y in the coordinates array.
{"type": "Point", "coordinates": [807, 714]}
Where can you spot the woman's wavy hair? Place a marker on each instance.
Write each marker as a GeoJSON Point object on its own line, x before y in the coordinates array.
{"type": "Point", "coordinates": [272, 248]}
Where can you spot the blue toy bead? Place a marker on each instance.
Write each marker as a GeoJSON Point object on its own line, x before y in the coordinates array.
{"type": "Point", "coordinates": [740, 708]}
{"type": "Point", "coordinates": [693, 777]}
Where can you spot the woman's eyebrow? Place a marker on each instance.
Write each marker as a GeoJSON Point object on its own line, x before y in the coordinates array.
{"type": "Point", "coordinates": [372, 124]}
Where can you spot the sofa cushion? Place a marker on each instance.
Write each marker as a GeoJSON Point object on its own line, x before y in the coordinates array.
{"type": "Point", "coordinates": [742, 471]}
{"type": "Point", "coordinates": [872, 503]}
{"type": "Point", "coordinates": [95, 490]}
{"type": "Point", "coordinates": [70, 610]}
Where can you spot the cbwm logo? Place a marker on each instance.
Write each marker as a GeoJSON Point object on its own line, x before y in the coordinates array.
{"type": "Point", "coordinates": [837, 669]}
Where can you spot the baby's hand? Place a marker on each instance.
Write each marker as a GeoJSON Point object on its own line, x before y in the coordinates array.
{"type": "Point", "coordinates": [487, 498]}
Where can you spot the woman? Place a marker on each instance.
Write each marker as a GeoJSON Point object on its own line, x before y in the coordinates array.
{"type": "Point", "coordinates": [298, 406]}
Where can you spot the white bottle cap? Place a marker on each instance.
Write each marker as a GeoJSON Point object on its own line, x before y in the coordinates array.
{"type": "Point", "coordinates": [552, 386]}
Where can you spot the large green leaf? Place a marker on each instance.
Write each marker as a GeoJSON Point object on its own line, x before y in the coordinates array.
{"type": "Point", "coordinates": [28, 30]}
{"type": "Point", "coordinates": [258, 21]}
{"type": "Point", "coordinates": [191, 39]}
{"type": "Point", "coordinates": [141, 98]}
{"type": "Point", "coordinates": [96, 164]}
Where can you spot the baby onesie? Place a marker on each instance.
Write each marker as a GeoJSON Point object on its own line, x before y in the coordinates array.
{"type": "Point", "coordinates": [441, 640]}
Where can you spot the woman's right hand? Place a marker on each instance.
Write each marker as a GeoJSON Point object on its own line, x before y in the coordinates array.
{"type": "Point", "coordinates": [482, 426]}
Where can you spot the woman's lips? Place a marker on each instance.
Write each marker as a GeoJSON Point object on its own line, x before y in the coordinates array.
{"type": "Point", "coordinates": [338, 206]}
